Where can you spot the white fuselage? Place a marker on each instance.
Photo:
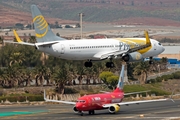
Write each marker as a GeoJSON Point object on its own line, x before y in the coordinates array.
{"type": "Point", "coordinates": [93, 49]}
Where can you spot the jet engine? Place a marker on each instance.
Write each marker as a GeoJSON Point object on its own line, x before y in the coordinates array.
{"type": "Point", "coordinates": [114, 108]}
{"type": "Point", "coordinates": [132, 57]}
{"type": "Point", "coordinates": [75, 109]}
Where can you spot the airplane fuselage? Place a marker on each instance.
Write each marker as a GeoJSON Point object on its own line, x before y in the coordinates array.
{"type": "Point", "coordinates": [93, 49]}
{"type": "Point", "coordinates": [96, 101]}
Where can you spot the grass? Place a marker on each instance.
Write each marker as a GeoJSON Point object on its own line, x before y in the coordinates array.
{"type": "Point", "coordinates": [21, 97]}
{"type": "Point", "coordinates": [154, 89]}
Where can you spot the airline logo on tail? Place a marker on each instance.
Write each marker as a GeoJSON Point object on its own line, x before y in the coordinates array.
{"type": "Point", "coordinates": [41, 26]}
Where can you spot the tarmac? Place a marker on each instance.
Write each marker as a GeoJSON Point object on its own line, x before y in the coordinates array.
{"type": "Point", "coordinates": [166, 110]}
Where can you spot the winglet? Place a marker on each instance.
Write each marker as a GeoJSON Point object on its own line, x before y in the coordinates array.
{"type": "Point", "coordinates": [147, 37]}
{"type": "Point", "coordinates": [17, 37]}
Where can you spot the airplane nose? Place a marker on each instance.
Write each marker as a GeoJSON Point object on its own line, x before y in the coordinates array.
{"type": "Point", "coordinates": [163, 49]}
{"type": "Point", "coordinates": [78, 106]}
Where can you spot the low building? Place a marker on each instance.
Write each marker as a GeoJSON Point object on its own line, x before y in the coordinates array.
{"type": "Point", "coordinates": [171, 52]}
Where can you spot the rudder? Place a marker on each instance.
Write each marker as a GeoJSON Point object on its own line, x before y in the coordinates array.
{"type": "Point", "coordinates": [120, 84]}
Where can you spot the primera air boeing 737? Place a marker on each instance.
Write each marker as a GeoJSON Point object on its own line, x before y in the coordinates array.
{"type": "Point", "coordinates": [126, 49]}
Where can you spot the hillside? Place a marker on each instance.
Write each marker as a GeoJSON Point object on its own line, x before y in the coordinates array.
{"type": "Point", "coordinates": [142, 12]}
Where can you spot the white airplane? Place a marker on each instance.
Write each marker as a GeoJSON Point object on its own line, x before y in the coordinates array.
{"type": "Point", "coordinates": [126, 49]}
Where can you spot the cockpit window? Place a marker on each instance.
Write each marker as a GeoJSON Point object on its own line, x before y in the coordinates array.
{"type": "Point", "coordinates": [159, 43]}
{"type": "Point", "coordinates": [81, 101]}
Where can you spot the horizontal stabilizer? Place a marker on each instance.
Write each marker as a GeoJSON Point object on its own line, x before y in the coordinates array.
{"type": "Point", "coordinates": [19, 41]}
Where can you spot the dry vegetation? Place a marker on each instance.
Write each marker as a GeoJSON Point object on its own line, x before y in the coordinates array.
{"type": "Point", "coordinates": [141, 12]}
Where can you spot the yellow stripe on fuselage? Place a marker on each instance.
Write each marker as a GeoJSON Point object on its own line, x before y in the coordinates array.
{"type": "Point", "coordinates": [130, 42]}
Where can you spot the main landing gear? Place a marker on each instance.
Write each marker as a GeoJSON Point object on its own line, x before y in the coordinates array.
{"type": "Point", "coordinates": [91, 112]}
{"type": "Point", "coordinates": [109, 64]}
{"type": "Point", "coordinates": [81, 113]}
{"type": "Point", "coordinates": [150, 60]}
{"type": "Point", "coordinates": [88, 64]}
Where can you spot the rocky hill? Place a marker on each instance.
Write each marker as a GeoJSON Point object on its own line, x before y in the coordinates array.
{"type": "Point", "coordinates": [141, 12]}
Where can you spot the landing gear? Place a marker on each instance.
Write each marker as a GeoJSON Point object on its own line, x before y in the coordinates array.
{"type": "Point", "coordinates": [88, 64]}
{"type": "Point", "coordinates": [81, 113]}
{"type": "Point", "coordinates": [150, 60]}
{"type": "Point", "coordinates": [109, 64]}
{"type": "Point", "coordinates": [91, 112]}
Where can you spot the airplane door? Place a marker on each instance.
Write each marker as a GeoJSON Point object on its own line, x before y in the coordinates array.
{"type": "Point", "coordinates": [155, 46]}
{"type": "Point", "coordinates": [62, 49]}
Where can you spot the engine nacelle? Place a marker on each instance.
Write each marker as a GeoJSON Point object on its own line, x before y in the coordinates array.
{"type": "Point", "coordinates": [75, 109]}
{"type": "Point", "coordinates": [132, 57]}
{"type": "Point", "coordinates": [114, 108]}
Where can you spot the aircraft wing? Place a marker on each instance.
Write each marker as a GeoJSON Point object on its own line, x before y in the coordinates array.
{"type": "Point", "coordinates": [136, 92]}
{"type": "Point", "coordinates": [59, 101]}
{"type": "Point", "coordinates": [134, 102]}
{"type": "Point", "coordinates": [19, 41]}
{"type": "Point", "coordinates": [105, 55]}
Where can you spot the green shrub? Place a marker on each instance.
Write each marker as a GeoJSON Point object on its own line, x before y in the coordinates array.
{"type": "Point", "coordinates": [35, 98]}
{"type": "Point", "coordinates": [22, 98]}
{"type": "Point", "coordinates": [176, 75]}
{"type": "Point", "coordinates": [69, 91]}
{"type": "Point", "coordinates": [159, 79]}
{"type": "Point", "coordinates": [151, 81]}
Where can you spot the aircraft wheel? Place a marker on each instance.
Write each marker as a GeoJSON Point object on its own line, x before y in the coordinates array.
{"type": "Point", "coordinates": [150, 62]}
{"type": "Point", "coordinates": [91, 112]}
{"type": "Point", "coordinates": [88, 64]}
{"type": "Point", "coordinates": [112, 64]}
{"type": "Point", "coordinates": [109, 64]}
{"type": "Point", "coordinates": [81, 113]}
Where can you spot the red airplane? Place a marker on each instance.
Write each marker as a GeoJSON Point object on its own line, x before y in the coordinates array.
{"type": "Point", "coordinates": [108, 100]}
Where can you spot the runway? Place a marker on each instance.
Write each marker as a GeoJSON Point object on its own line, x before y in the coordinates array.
{"type": "Point", "coordinates": [150, 111]}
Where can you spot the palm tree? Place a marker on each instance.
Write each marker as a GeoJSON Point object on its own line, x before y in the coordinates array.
{"type": "Point", "coordinates": [40, 73]}
{"type": "Point", "coordinates": [1, 40]}
{"type": "Point", "coordinates": [163, 63]}
{"type": "Point", "coordinates": [16, 58]}
{"type": "Point", "coordinates": [96, 70]}
{"type": "Point", "coordinates": [79, 71]}
{"type": "Point", "coordinates": [142, 69]}
{"type": "Point", "coordinates": [61, 76]}
{"type": "Point", "coordinates": [32, 39]}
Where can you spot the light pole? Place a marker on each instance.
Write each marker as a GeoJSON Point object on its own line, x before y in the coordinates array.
{"type": "Point", "coordinates": [81, 15]}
